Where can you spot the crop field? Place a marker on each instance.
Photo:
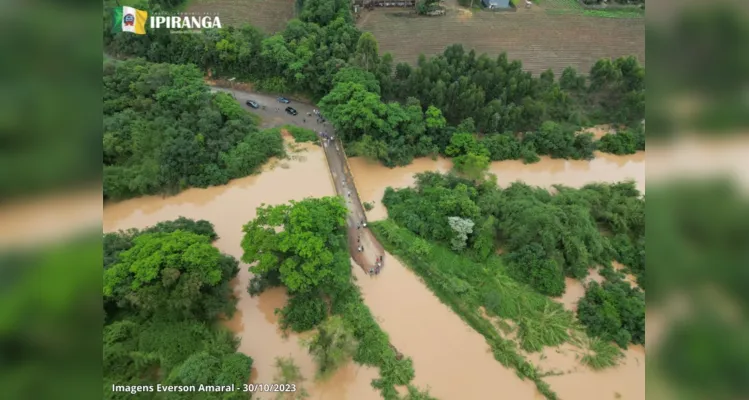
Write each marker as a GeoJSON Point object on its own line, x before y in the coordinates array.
{"type": "Point", "coordinates": [553, 34]}
{"type": "Point", "coordinates": [268, 15]}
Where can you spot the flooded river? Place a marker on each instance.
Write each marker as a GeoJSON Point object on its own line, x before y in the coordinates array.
{"type": "Point", "coordinates": [431, 340]}
{"type": "Point", "coordinates": [228, 208]}
{"type": "Point", "coordinates": [574, 382]}
{"type": "Point", "coordinates": [449, 357]}
{"type": "Point", "coordinates": [372, 178]}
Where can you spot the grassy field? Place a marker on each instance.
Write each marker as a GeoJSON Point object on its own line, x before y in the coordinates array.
{"type": "Point", "coordinates": [268, 15]}
{"type": "Point", "coordinates": [553, 34]}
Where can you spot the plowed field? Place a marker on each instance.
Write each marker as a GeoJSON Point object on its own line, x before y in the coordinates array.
{"type": "Point", "coordinates": [539, 37]}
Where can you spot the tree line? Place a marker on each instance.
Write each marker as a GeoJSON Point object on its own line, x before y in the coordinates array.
{"type": "Point", "coordinates": [544, 237]}
{"type": "Point", "coordinates": [394, 113]}
{"type": "Point", "coordinates": [165, 288]}
{"type": "Point", "coordinates": [164, 131]}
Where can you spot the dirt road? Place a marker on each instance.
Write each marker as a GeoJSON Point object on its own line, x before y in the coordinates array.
{"type": "Point", "coordinates": [274, 115]}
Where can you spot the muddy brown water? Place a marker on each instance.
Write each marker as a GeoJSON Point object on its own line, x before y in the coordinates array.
{"type": "Point", "coordinates": [228, 208]}
{"type": "Point", "coordinates": [576, 381]}
{"type": "Point", "coordinates": [372, 178]}
{"type": "Point", "coordinates": [449, 357]}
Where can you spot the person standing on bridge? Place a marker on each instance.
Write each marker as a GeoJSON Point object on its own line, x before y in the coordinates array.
{"type": "Point", "coordinates": [349, 194]}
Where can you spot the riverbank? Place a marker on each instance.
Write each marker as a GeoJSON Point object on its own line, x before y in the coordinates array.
{"type": "Point", "coordinates": [517, 318]}
{"type": "Point", "coordinates": [372, 178]}
{"type": "Point", "coordinates": [228, 207]}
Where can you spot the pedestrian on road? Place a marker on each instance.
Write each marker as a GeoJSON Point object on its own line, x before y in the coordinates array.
{"type": "Point", "coordinates": [358, 239]}
{"type": "Point", "coordinates": [371, 271]}
{"type": "Point", "coordinates": [349, 193]}
{"type": "Point", "coordinates": [304, 120]}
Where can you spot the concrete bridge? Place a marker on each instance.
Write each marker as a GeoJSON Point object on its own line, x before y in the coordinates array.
{"type": "Point", "coordinates": [358, 233]}
{"type": "Point", "coordinates": [273, 115]}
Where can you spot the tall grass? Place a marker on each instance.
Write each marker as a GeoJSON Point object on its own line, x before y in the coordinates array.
{"type": "Point", "coordinates": [600, 354]}
{"type": "Point", "coordinates": [464, 286]}
{"type": "Point", "coordinates": [548, 328]}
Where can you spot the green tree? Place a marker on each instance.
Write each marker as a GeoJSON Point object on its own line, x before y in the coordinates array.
{"type": "Point", "coordinates": [371, 148]}
{"type": "Point", "coordinates": [462, 227]}
{"type": "Point", "coordinates": [302, 251]}
{"type": "Point", "coordinates": [357, 75]}
{"type": "Point", "coordinates": [367, 52]}
{"type": "Point", "coordinates": [502, 147]}
{"type": "Point", "coordinates": [614, 311]}
{"type": "Point", "coordinates": [178, 273]}
{"type": "Point", "coordinates": [531, 264]}
{"type": "Point", "coordinates": [354, 111]}
{"type": "Point", "coordinates": [471, 165]}
{"type": "Point", "coordinates": [332, 346]}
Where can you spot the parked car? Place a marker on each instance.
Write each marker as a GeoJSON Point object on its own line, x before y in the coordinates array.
{"type": "Point", "coordinates": [253, 104]}
{"type": "Point", "coordinates": [291, 111]}
{"type": "Point", "coordinates": [284, 100]}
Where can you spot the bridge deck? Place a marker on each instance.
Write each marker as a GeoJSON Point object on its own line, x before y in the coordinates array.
{"type": "Point", "coordinates": [345, 186]}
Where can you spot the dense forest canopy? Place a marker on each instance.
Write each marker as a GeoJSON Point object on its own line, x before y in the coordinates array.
{"type": "Point", "coordinates": [164, 289]}
{"type": "Point", "coordinates": [393, 113]}
{"type": "Point", "coordinates": [544, 236]}
{"type": "Point", "coordinates": [164, 131]}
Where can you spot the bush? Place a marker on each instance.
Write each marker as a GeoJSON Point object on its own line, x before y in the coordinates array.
{"type": "Point", "coordinates": [303, 312]}
{"type": "Point", "coordinates": [614, 311]}
{"type": "Point", "coordinates": [623, 142]}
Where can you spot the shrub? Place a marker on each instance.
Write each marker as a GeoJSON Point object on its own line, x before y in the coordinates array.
{"type": "Point", "coordinates": [303, 312]}
{"type": "Point", "coordinates": [614, 311]}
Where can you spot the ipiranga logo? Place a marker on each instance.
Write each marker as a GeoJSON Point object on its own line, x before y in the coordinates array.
{"type": "Point", "coordinates": [128, 19]}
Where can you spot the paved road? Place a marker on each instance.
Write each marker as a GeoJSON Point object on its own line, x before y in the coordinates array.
{"type": "Point", "coordinates": [274, 115]}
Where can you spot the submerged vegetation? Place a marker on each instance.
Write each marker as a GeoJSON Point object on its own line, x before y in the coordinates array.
{"type": "Point", "coordinates": [465, 286]}
{"type": "Point", "coordinates": [448, 229]}
{"type": "Point", "coordinates": [164, 290]}
{"type": "Point", "coordinates": [302, 246]}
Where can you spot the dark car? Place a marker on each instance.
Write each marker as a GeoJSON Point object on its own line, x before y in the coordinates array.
{"type": "Point", "coordinates": [253, 104]}
{"type": "Point", "coordinates": [291, 111]}
{"type": "Point", "coordinates": [284, 100]}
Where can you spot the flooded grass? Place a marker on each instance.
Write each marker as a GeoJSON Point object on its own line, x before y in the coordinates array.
{"type": "Point", "coordinates": [600, 354]}
{"type": "Point", "coordinates": [515, 320]}
{"type": "Point", "coordinates": [462, 285]}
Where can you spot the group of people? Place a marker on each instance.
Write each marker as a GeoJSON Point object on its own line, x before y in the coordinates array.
{"type": "Point", "coordinates": [327, 139]}
{"type": "Point", "coordinates": [320, 118]}
{"type": "Point", "coordinates": [377, 267]}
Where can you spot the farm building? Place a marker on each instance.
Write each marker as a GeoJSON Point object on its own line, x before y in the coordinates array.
{"type": "Point", "coordinates": [369, 4]}
{"type": "Point", "coordinates": [496, 3]}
